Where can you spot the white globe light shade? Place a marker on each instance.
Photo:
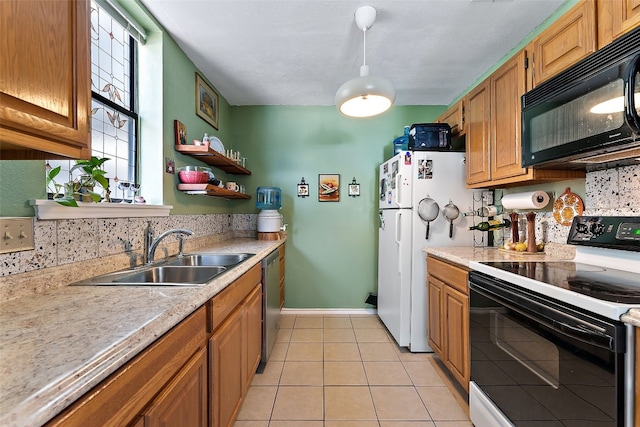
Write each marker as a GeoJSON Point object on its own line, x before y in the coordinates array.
{"type": "Point", "coordinates": [365, 96]}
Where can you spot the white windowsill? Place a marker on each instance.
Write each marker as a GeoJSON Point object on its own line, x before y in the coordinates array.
{"type": "Point", "coordinates": [48, 209]}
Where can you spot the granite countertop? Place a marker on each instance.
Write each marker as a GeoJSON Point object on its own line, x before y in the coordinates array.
{"type": "Point", "coordinates": [463, 255]}
{"type": "Point", "coordinates": [56, 345]}
{"type": "Point", "coordinates": [632, 317]}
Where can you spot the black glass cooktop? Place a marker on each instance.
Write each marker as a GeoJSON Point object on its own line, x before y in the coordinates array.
{"type": "Point", "coordinates": [598, 282]}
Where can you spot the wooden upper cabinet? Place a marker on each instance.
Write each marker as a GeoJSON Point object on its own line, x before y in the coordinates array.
{"type": "Point", "coordinates": [45, 82]}
{"type": "Point", "coordinates": [615, 18]}
{"type": "Point", "coordinates": [568, 40]}
{"type": "Point", "coordinates": [477, 139]}
{"type": "Point", "coordinates": [508, 84]}
{"type": "Point", "coordinates": [454, 117]}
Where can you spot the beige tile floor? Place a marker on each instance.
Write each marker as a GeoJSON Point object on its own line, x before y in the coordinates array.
{"type": "Point", "coordinates": [346, 371]}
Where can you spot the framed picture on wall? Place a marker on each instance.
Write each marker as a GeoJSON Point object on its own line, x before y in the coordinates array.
{"type": "Point", "coordinates": [207, 107]}
{"type": "Point", "coordinates": [180, 131]}
{"type": "Point", "coordinates": [328, 187]}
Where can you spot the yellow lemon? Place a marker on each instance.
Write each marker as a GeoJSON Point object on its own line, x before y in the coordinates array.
{"type": "Point", "coordinates": [521, 247]}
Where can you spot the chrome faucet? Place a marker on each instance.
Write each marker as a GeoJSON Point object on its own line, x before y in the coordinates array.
{"type": "Point", "coordinates": [151, 243]}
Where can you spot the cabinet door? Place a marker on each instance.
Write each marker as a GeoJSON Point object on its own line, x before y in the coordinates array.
{"type": "Point", "coordinates": [568, 40]}
{"type": "Point", "coordinates": [226, 361]}
{"type": "Point", "coordinates": [183, 403]}
{"type": "Point", "coordinates": [507, 86]}
{"type": "Point", "coordinates": [616, 17]}
{"type": "Point", "coordinates": [281, 251]}
{"type": "Point", "coordinates": [477, 144]}
{"type": "Point", "coordinates": [435, 295]}
{"type": "Point", "coordinates": [454, 117]}
{"type": "Point", "coordinates": [44, 79]}
{"type": "Point", "coordinates": [253, 313]}
{"type": "Point", "coordinates": [456, 308]}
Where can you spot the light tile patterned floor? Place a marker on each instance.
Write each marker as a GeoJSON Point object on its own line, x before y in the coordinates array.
{"type": "Point", "coordinates": [346, 371]}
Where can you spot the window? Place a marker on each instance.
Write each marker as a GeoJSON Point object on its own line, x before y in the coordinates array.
{"type": "Point", "coordinates": [113, 105]}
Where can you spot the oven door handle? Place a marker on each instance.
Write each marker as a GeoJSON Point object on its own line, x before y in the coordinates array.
{"type": "Point", "coordinates": [556, 322]}
{"type": "Point", "coordinates": [582, 333]}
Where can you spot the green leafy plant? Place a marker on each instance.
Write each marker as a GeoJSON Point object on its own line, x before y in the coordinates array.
{"type": "Point", "coordinates": [58, 189]}
{"type": "Point", "coordinates": [81, 188]}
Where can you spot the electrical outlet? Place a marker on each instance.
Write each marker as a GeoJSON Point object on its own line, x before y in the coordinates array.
{"type": "Point", "coordinates": [16, 234]}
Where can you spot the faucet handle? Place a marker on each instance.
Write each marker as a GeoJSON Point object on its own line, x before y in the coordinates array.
{"type": "Point", "coordinates": [181, 233]}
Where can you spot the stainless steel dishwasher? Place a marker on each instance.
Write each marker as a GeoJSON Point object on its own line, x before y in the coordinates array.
{"type": "Point", "coordinates": [270, 304]}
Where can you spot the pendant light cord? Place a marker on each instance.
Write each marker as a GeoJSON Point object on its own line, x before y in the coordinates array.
{"type": "Point", "coordinates": [364, 44]}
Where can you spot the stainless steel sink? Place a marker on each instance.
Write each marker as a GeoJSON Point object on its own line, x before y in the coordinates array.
{"type": "Point", "coordinates": [190, 270]}
{"type": "Point", "coordinates": [157, 276]}
{"type": "Point", "coordinates": [210, 259]}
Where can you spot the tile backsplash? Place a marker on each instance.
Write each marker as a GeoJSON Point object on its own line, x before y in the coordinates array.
{"type": "Point", "coordinates": [607, 192]}
{"type": "Point", "coordinates": [60, 242]}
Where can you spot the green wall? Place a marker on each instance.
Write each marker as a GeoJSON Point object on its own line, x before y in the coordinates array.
{"type": "Point", "coordinates": [19, 182]}
{"type": "Point", "coordinates": [331, 247]}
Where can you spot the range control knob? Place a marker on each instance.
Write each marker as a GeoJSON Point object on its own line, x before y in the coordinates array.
{"type": "Point", "coordinates": [596, 228]}
{"type": "Point", "coordinates": [582, 228]}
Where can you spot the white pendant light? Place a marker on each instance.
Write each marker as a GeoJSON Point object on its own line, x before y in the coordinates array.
{"type": "Point", "coordinates": [365, 96]}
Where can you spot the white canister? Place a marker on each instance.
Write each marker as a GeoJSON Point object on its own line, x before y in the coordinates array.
{"type": "Point", "coordinates": [269, 221]}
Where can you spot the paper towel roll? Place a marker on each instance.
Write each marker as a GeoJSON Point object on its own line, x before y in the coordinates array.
{"type": "Point", "coordinates": [529, 200]}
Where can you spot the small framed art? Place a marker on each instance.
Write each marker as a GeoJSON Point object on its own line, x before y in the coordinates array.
{"type": "Point", "coordinates": [354, 188]}
{"type": "Point", "coordinates": [180, 131]}
{"type": "Point", "coordinates": [207, 107]}
{"type": "Point", "coordinates": [329, 187]}
{"type": "Point", "coordinates": [303, 189]}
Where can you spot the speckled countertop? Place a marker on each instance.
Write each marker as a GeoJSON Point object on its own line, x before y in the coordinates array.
{"type": "Point", "coordinates": [464, 255]}
{"type": "Point", "coordinates": [56, 345]}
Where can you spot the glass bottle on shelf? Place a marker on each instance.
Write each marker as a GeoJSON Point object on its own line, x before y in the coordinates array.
{"type": "Point", "coordinates": [491, 224]}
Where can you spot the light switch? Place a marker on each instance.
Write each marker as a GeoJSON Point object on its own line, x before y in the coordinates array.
{"type": "Point", "coordinates": [16, 234]}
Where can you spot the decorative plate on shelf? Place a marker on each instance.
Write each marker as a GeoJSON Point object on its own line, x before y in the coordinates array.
{"type": "Point", "coordinates": [567, 206]}
{"type": "Point", "coordinates": [216, 144]}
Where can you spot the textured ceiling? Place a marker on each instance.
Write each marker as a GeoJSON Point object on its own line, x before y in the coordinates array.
{"type": "Point", "coordinates": [298, 52]}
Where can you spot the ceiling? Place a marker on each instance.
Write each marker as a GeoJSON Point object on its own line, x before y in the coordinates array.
{"type": "Point", "coordinates": [298, 52]}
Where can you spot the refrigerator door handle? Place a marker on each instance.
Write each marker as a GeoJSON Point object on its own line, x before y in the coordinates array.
{"type": "Point", "coordinates": [398, 238]}
{"type": "Point", "coordinates": [398, 189]}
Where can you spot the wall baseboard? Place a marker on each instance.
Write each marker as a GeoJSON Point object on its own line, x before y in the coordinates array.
{"type": "Point", "coordinates": [329, 311]}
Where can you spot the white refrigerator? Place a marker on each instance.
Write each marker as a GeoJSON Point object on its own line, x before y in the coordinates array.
{"type": "Point", "coordinates": [405, 180]}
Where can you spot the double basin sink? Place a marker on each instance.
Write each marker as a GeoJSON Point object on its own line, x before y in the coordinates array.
{"type": "Point", "coordinates": [187, 270]}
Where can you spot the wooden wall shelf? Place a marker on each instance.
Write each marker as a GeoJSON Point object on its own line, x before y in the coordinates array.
{"type": "Point", "coordinates": [211, 157]}
{"type": "Point", "coordinates": [211, 190]}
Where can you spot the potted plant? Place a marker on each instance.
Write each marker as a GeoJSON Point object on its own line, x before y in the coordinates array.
{"type": "Point", "coordinates": [81, 188]}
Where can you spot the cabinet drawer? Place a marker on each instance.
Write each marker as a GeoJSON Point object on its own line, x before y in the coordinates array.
{"type": "Point", "coordinates": [226, 301]}
{"type": "Point", "coordinates": [454, 276]}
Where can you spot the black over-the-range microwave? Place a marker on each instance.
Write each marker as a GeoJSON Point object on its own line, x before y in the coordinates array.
{"type": "Point", "coordinates": [587, 117]}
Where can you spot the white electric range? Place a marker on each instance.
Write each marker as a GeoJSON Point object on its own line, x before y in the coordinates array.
{"type": "Point", "coordinates": [547, 343]}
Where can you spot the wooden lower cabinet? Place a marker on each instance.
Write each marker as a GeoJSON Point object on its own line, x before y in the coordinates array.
{"type": "Point", "coordinates": [227, 372]}
{"type": "Point", "coordinates": [234, 346]}
{"type": "Point", "coordinates": [184, 401]}
{"type": "Point", "coordinates": [281, 252]}
{"type": "Point", "coordinates": [637, 380]}
{"type": "Point", "coordinates": [158, 384]}
{"type": "Point", "coordinates": [253, 325]}
{"type": "Point", "coordinates": [448, 293]}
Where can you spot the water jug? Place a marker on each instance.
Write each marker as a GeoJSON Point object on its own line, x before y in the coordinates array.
{"type": "Point", "coordinates": [269, 198]}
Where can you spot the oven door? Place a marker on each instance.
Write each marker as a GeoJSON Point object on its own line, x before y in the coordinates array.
{"type": "Point", "coordinates": [537, 362]}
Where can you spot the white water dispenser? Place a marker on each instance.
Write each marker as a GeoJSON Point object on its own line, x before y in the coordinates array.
{"type": "Point", "coordinates": [269, 201]}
